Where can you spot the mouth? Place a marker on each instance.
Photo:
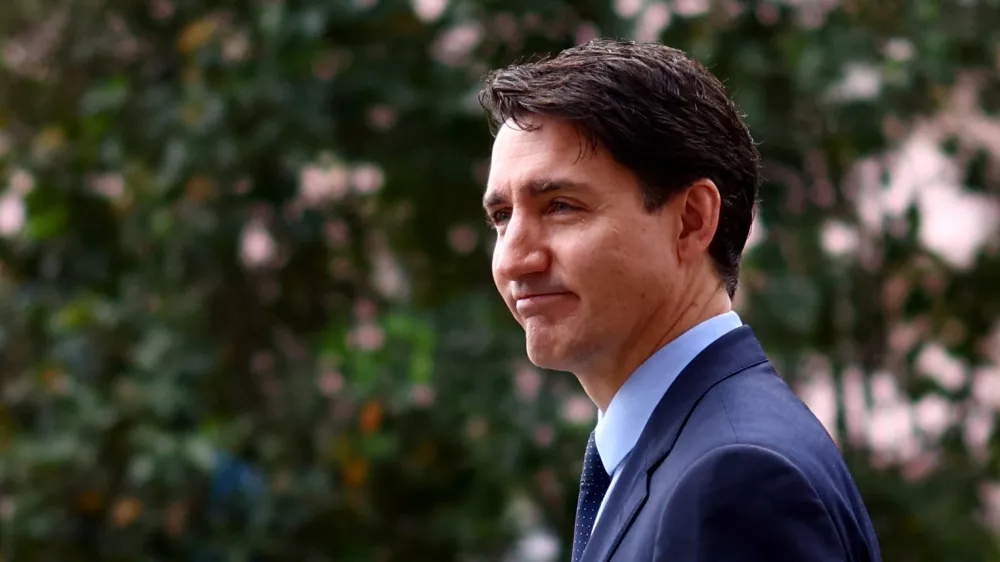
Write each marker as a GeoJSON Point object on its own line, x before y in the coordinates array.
{"type": "Point", "coordinates": [533, 305]}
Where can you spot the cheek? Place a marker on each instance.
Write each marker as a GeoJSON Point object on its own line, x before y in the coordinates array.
{"type": "Point", "coordinates": [595, 260]}
{"type": "Point", "coordinates": [616, 268]}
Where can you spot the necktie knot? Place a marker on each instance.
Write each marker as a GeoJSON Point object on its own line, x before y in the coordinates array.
{"type": "Point", "coordinates": [593, 466]}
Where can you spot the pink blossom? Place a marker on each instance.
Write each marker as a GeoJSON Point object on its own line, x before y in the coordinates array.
{"type": "Point", "coordinates": [543, 434]}
{"type": "Point", "coordinates": [839, 239]}
{"type": "Point", "coordinates": [527, 382]}
{"type": "Point", "coordinates": [885, 391]}
{"type": "Point", "coordinates": [902, 337]}
{"type": "Point", "coordinates": [586, 33]}
{"type": "Point", "coordinates": [578, 409]}
{"type": "Point", "coordinates": [257, 246]}
{"type": "Point", "coordinates": [429, 10]}
{"type": "Point", "coordinates": [899, 49]}
{"type": "Point", "coordinates": [811, 15]}
{"type": "Point", "coordinates": [366, 337]}
{"type": "Point", "coordinates": [856, 414]}
{"type": "Point", "coordinates": [241, 186]}
{"type": "Point", "coordinates": [733, 8]}
{"type": "Point", "coordinates": [627, 8]}
{"type": "Point", "coordinates": [328, 65]}
{"type": "Point", "coordinates": [330, 383]}
{"type": "Point", "coordinates": [891, 430]}
{"type": "Point", "coordinates": [758, 232]}
{"type": "Point", "coordinates": [978, 429]}
{"type": "Point", "coordinates": [990, 493]}
{"type": "Point", "coordinates": [454, 46]}
{"type": "Point", "coordinates": [986, 387]}
{"type": "Point", "coordinates": [382, 117]}
{"type": "Point", "coordinates": [21, 182]}
{"type": "Point", "coordinates": [505, 27]}
{"type": "Point", "coordinates": [934, 415]}
{"type": "Point", "coordinates": [462, 239]}
{"type": "Point", "coordinates": [767, 13]}
{"type": "Point", "coordinates": [652, 22]}
{"type": "Point", "coordinates": [422, 395]}
{"type": "Point", "coordinates": [12, 214]}
{"type": "Point", "coordinates": [388, 276]}
{"type": "Point", "coordinates": [820, 396]}
{"type": "Point", "coordinates": [111, 186]}
{"type": "Point", "coordinates": [936, 363]}
{"type": "Point", "coordinates": [161, 9]}
{"type": "Point", "coordinates": [364, 310]}
{"type": "Point", "coordinates": [691, 8]}
{"type": "Point", "coordinates": [367, 178]}
{"type": "Point", "coordinates": [922, 466]}
{"type": "Point", "coordinates": [318, 185]}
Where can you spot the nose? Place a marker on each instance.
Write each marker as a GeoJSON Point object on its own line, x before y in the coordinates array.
{"type": "Point", "coordinates": [521, 250]}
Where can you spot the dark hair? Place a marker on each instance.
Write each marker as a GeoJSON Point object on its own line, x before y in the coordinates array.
{"type": "Point", "coordinates": [658, 112]}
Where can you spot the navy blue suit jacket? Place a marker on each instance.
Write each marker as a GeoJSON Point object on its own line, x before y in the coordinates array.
{"type": "Point", "coordinates": [733, 467]}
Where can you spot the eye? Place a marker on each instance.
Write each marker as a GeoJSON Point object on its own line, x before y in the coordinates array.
{"type": "Point", "coordinates": [497, 217]}
{"type": "Point", "coordinates": [557, 206]}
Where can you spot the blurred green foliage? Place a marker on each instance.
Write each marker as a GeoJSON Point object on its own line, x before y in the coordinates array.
{"type": "Point", "coordinates": [245, 292]}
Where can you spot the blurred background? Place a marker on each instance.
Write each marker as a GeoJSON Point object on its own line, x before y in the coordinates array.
{"type": "Point", "coordinates": [246, 312]}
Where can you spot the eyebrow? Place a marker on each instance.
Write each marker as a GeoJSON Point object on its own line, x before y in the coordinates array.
{"type": "Point", "coordinates": [535, 188]}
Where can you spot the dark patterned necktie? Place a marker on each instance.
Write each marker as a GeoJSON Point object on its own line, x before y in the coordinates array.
{"type": "Point", "coordinates": [594, 484]}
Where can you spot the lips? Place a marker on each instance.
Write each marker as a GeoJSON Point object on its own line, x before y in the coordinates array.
{"type": "Point", "coordinates": [541, 303]}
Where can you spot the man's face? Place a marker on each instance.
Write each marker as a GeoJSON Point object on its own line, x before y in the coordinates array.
{"type": "Point", "coordinates": [583, 267]}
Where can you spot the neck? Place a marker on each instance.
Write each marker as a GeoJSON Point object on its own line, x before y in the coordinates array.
{"type": "Point", "coordinates": [602, 384]}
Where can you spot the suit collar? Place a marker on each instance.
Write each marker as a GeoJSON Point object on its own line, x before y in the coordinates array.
{"type": "Point", "coordinates": [619, 428]}
{"type": "Point", "coordinates": [732, 353]}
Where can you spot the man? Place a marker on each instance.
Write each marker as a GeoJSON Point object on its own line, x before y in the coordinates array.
{"type": "Point", "coordinates": [622, 188]}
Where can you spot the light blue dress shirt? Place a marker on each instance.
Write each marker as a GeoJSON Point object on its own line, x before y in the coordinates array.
{"type": "Point", "coordinates": [618, 428]}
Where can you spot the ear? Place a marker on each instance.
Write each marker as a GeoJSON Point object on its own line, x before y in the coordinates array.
{"type": "Point", "coordinates": [699, 206]}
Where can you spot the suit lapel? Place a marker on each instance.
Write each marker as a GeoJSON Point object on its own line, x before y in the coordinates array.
{"type": "Point", "coordinates": [731, 354]}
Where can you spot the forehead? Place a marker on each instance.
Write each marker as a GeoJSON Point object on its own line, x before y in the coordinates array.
{"type": "Point", "coordinates": [550, 149]}
{"type": "Point", "coordinates": [555, 137]}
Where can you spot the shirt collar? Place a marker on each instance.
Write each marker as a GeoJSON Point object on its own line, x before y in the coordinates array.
{"type": "Point", "coordinates": [618, 428]}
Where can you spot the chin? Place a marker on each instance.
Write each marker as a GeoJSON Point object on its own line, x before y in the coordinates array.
{"type": "Point", "coordinates": [562, 345]}
{"type": "Point", "coordinates": [540, 359]}
{"type": "Point", "coordinates": [545, 353]}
